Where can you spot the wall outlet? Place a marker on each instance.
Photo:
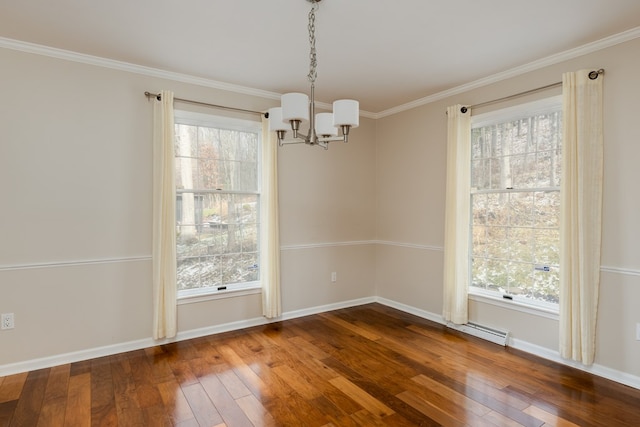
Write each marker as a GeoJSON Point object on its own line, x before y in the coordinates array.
{"type": "Point", "coordinates": [334, 277]}
{"type": "Point", "coordinates": [7, 321]}
{"type": "Point", "coordinates": [637, 331]}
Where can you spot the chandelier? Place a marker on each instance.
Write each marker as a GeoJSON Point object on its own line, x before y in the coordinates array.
{"type": "Point", "coordinates": [297, 107]}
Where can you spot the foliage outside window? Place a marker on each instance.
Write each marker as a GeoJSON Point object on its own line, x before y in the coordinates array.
{"type": "Point", "coordinates": [515, 203]}
{"type": "Point", "coordinates": [217, 172]}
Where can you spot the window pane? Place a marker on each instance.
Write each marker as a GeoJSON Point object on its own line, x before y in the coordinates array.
{"type": "Point", "coordinates": [497, 245]}
{"type": "Point", "coordinates": [521, 244]}
{"type": "Point", "coordinates": [479, 273]}
{"type": "Point", "coordinates": [546, 285]}
{"type": "Point", "coordinates": [547, 206]}
{"type": "Point", "coordinates": [516, 164]}
{"type": "Point", "coordinates": [547, 247]}
{"type": "Point", "coordinates": [188, 273]}
{"type": "Point", "coordinates": [479, 241]}
{"type": "Point", "coordinates": [480, 174]}
{"type": "Point", "coordinates": [521, 211]}
{"type": "Point", "coordinates": [520, 277]}
{"type": "Point", "coordinates": [217, 220]}
{"type": "Point", "coordinates": [497, 211]}
{"type": "Point", "coordinates": [496, 275]}
{"type": "Point", "coordinates": [210, 272]}
{"type": "Point", "coordinates": [479, 208]}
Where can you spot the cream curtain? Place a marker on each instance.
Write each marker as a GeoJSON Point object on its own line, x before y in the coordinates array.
{"type": "Point", "coordinates": [270, 240]}
{"type": "Point", "coordinates": [580, 215]}
{"type": "Point", "coordinates": [457, 212]}
{"type": "Point", "coordinates": [164, 222]}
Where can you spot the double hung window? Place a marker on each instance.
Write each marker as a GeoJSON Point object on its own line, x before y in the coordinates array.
{"type": "Point", "coordinates": [217, 173]}
{"type": "Point", "coordinates": [515, 203]}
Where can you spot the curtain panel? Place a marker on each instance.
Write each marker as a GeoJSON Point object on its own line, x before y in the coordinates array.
{"type": "Point", "coordinates": [457, 215]}
{"type": "Point", "coordinates": [164, 221]}
{"type": "Point", "coordinates": [270, 231]}
{"type": "Point", "coordinates": [580, 214]}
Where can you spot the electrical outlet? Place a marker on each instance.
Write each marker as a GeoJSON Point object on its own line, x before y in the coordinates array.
{"type": "Point", "coordinates": [334, 277]}
{"type": "Point", "coordinates": [7, 321]}
{"type": "Point", "coordinates": [637, 331]}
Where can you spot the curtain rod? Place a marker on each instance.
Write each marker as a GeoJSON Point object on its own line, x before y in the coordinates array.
{"type": "Point", "coordinates": [592, 75]}
{"type": "Point", "coordinates": [205, 104]}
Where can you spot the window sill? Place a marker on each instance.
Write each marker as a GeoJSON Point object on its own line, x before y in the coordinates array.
{"type": "Point", "coordinates": [251, 289]}
{"type": "Point", "coordinates": [515, 305]}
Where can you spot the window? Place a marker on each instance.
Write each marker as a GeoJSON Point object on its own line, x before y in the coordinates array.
{"type": "Point", "coordinates": [515, 203]}
{"type": "Point", "coordinates": [217, 173]}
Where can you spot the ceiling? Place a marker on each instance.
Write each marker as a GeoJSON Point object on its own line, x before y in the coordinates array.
{"type": "Point", "coordinates": [383, 53]}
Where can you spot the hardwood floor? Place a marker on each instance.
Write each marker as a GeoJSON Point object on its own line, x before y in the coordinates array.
{"type": "Point", "coordinates": [363, 366]}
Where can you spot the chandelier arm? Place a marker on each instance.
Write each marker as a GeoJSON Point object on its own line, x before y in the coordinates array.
{"type": "Point", "coordinates": [327, 139]}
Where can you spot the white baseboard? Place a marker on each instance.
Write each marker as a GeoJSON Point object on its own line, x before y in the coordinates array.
{"type": "Point", "coordinates": [543, 352]}
{"type": "Point", "coordinates": [92, 353]}
{"type": "Point", "coordinates": [595, 369]}
{"type": "Point", "coordinates": [437, 318]}
{"type": "Point", "coordinates": [61, 359]}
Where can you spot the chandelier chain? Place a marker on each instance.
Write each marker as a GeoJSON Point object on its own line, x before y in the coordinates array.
{"type": "Point", "coordinates": [313, 60]}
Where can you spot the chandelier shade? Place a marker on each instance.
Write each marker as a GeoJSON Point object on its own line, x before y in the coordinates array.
{"type": "Point", "coordinates": [346, 112]}
{"type": "Point", "coordinates": [295, 106]}
{"type": "Point", "coordinates": [325, 126]}
{"type": "Point", "coordinates": [275, 120]}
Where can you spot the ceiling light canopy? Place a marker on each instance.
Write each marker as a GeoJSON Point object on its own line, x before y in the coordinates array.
{"type": "Point", "coordinates": [298, 107]}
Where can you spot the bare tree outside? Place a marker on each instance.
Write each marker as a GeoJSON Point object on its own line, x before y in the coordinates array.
{"type": "Point", "coordinates": [217, 206]}
{"type": "Point", "coordinates": [516, 206]}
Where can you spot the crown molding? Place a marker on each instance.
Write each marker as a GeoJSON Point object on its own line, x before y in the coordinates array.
{"type": "Point", "coordinates": [517, 71]}
{"type": "Point", "coordinates": [37, 49]}
{"type": "Point", "coordinates": [97, 61]}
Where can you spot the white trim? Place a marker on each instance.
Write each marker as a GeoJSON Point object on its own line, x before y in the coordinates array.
{"type": "Point", "coordinates": [326, 245]}
{"type": "Point", "coordinates": [214, 295]}
{"type": "Point", "coordinates": [410, 245]}
{"type": "Point", "coordinates": [619, 270]}
{"type": "Point", "coordinates": [74, 263]}
{"type": "Point", "coordinates": [604, 43]}
{"type": "Point", "coordinates": [76, 356]}
{"type": "Point", "coordinates": [436, 318]}
{"type": "Point", "coordinates": [147, 258]}
{"type": "Point", "coordinates": [515, 306]}
{"type": "Point", "coordinates": [504, 115]}
{"type": "Point", "coordinates": [324, 308]}
{"type": "Point", "coordinates": [595, 369]}
{"type": "Point", "coordinates": [82, 58]}
{"type": "Point", "coordinates": [543, 352]}
{"type": "Point", "coordinates": [129, 67]}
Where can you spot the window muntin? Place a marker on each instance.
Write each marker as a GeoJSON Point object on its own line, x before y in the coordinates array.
{"type": "Point", "coordinates": [217, 163]}
{"type": "Point", "coordinates": [515, 203]}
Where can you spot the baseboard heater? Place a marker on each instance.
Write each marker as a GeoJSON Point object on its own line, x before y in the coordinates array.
{"type": "Point", "coordinates": [484, 332]}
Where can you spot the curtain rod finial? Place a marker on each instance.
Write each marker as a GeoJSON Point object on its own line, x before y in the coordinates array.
{"type": "Point", "coordinates": [594, 74]}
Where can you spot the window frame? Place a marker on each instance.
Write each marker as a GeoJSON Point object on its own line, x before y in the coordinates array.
{"type": "Point", "coordinates": [542, 106]}
{"type": "Point", "coordinates": [184, 117]}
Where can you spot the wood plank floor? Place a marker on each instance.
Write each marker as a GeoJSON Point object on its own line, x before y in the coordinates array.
{"type": "Point", "coordinates": [363, 366]}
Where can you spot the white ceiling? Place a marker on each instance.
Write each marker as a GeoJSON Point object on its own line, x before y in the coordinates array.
{"type": "Point", "coordinates": [383, 53]}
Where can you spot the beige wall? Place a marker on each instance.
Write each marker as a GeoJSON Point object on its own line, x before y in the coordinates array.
{"type": "Point", "coordinates": [410, 204]}
{"type": "Point", "coordinates": [75, 176]}
{"type": "Point", "coordinates": [75, 215]}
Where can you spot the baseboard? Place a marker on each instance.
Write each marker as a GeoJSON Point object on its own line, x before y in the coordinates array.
{"type": "Point", "coordinates": [92, 353]}
{"type": "Point", "coordinates": [543, 352]}
{"type": "Point", "coordinates": [437, 318]}
{"type": "Point", "coordinates": [595, 369]}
